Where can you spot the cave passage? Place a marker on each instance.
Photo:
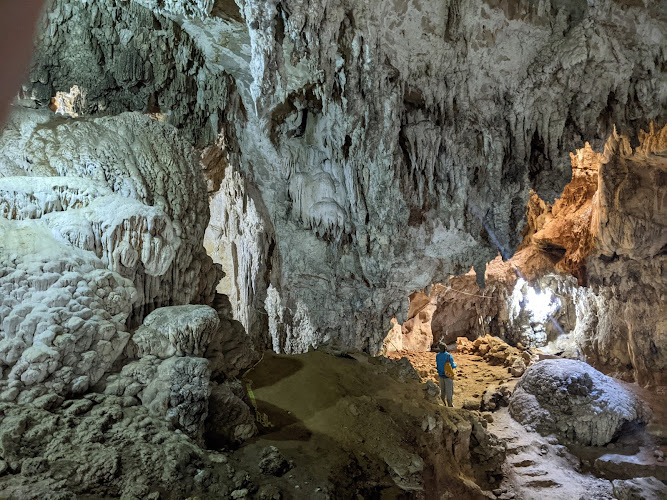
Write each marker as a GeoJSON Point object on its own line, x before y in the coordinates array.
{"type": "Point", "coordinates": [210, 211]}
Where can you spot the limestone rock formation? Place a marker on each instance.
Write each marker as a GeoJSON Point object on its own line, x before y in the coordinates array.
{"type": "Point", "coordinates": [139, 204]}
{"type": "Point", "coordinates": [176, 331]}
{"type": "Point", "coordinates": [104, 446]}
{"type": "Point", "coordinates": [353, 153]}
{"type": "Point", "coordinates": [230, 420]}
{"type": "Point", "coordinates": [497, 352]}
{"type": "Point", "coordinates": [567, 290]}
{"type": "Point", "coordinates": [574, 401]}
{"type": "Point", "coordinates": [240, 238]}
{"type": "Point", "coordinates": [176, 388]}
{"type": "Point", "coordinates": [415, 333]}
{"type": "Point", "coordinates": [608, 229]}
{"type": "Point", "coordinates": [391, 146]}
{"type": "Point", "coordinates": [643, 488]}
{"type": "Point", "coordinates": [170, 377]}
{"type": "Point", "coordinates": [62, 315]}
{"type": "Point", "coordinates": [273, 462]}
{"type": "Point", "coordinates": [495, 397]}
{"type": "Point", "coordinates": [102, 222]}
{"type": "Point", "coordinates": [463, 309]}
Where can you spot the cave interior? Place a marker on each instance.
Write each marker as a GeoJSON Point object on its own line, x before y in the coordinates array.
{"type": "Point", "coordinates": [238, 238]}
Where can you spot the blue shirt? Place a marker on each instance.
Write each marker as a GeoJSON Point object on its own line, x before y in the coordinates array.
{"type": "Point", "coordinates": [441, 359]}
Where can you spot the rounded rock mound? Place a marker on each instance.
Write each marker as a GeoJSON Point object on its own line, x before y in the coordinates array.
{"type": "Point", "coordinates": [574, 401]}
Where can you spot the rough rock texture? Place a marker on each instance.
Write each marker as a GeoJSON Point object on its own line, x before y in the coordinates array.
{"type": "Point", "coordinates": [231, 351]}
{"type": "Point", "coordinates": [124, 57]}
{"type": "Point", "coordinates": [495, 397]}
{"type": "Point", "coordinates": [62, 314]}
{"type": "Point", "coordinates": [574, 401]}
{"type": "Point", "coordinates": [626, 273]}
{"type": "Point", "coordinates": [101, 445]}
{"type": "Point", "coordinates": [240, 238]}
{"type": "Point", "coordinates": [168, 372]}
{"type": "Point", "coordinates": [176, 331]}
{"type": "Point", "coordinates": [230, 420]}
{"type": "Point", "coordinates": [644, 488]}
{"type": "Point", "coordinates": [497, 352]}
{"type": "Point", "coordinates": [463, 309]}
{"type": "Point", "coordinates": [607, 230]}
{"type": "Point", "coordinates": [102, 222]}
{"type": "Point", "coordinates": [415, 334]}
{"type": "Point", "coordinates": [392, 144]}
{"type": "Point", "coordinates": [273, 462]}
{"type": "Point", "coordinates": [532, 312]}
{"type": "Point", "coordinates": [176, 388]}
{"type": "Point", "coordinates": [126, 188]}
{"type": "Point", "coordinates": [171, 376]}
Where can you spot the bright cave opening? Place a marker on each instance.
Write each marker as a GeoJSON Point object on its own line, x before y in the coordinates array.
{"type": "Point", "coordinates": [211, 209]}
{"type": "Point", "coordinates": [553, 301]}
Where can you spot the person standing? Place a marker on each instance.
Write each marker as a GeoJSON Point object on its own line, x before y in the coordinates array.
{"type": "Point", "coordinates": [446, 374]}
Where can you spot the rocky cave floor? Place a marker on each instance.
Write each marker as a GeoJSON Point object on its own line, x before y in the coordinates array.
{"type": "Point", "coordinates": [331, 426]}
{"type": "Point", "coordinates": [540, 467]}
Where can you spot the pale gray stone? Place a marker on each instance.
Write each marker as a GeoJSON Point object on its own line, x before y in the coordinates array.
{"type": "Point", "coordinates": [575, 401]}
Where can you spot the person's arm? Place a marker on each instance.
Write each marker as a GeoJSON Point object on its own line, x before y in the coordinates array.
{"type": "Point", "coordinates": [451, 360]}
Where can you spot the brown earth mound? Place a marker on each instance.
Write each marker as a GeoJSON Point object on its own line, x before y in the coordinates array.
{"type": "Point", "coordinates": [357, 425]}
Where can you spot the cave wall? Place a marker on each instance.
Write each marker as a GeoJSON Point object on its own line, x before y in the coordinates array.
{"type": "Point", "coordinates": [392, 143]}
{"type": "Point", "coordinates": [625, 312]}
{"type": "Point", "coordinates": [608, 229]}
{"type": "Point", "coordinates": [595, 257]}
{"type": "Point", "coordinates": [101, 222]}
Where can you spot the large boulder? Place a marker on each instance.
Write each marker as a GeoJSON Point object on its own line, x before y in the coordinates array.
{"type": "Point", "coordinates": [176, 331]}
{"type": "Point", "coordinates": [642, 488]}
{"type": "Point", "coordinates": [230, 420]}
{"type": "Point", "coordinates": [176, 388]}
{"type": "Point", "coordinates": [575, 401]}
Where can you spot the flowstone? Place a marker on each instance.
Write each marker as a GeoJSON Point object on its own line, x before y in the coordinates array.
{"type": "Point", "coordinates": [575, 401]}
{"type": "Point", "coordinates": [389, 146]}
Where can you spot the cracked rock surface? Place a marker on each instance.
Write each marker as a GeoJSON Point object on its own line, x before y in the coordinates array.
{"type": "Point", "coordinates": [574, 401]}
{"type": "Point", "coordinates": [390, 144]}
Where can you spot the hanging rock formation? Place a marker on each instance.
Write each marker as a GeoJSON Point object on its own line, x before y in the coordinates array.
{"type": "Point", "coordinates": [586, 281]}
{"type": "Point", "coordinates": [353, 153]}
{"type": "Point", "coordinates": [392, 144]}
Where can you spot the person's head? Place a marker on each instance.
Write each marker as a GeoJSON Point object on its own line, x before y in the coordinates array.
{"type": "Point", "coordinates": [443, 348]}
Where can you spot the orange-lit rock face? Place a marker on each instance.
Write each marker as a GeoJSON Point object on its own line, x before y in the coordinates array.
{"type": "Point", "coordinates": [630, 219]}
{"type": "Point", "coordinates": [610, 226]}
{"type": "Point", "coordinates": [608, 230]}
{"type": "Point", "coordinates": [562, 231]}
{"type": "Point", "coordinates": [614, 205]}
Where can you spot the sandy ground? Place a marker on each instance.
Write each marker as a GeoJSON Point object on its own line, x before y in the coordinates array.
{"type": "Point", "coordinates": [537, 467]}
{"type": "Point", "coordinates": [352, 426]}
{"type": "Point", "coordinates": [348, 424]}
{"type": "Point", "coordinates": [474, 374]}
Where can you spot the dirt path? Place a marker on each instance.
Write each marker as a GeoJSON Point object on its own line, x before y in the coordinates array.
{"type": "Point", "coordinates": [474, 374]}
{"type": "Point", "coordinates": [357, 425]}
{"type": "Point", "coordinates": [537, 467]}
